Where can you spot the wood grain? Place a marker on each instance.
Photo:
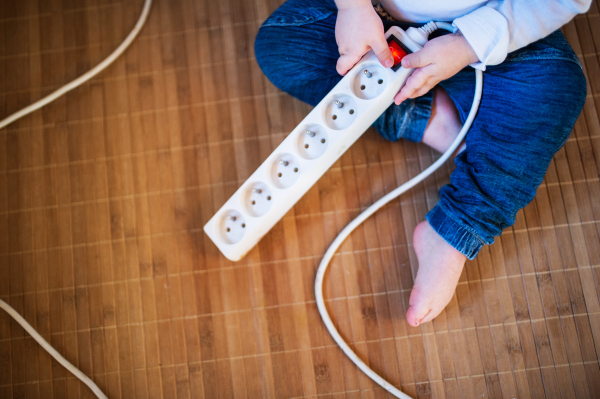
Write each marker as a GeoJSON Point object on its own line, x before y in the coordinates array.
{"type": "Point", "coordinates": [104, 193]}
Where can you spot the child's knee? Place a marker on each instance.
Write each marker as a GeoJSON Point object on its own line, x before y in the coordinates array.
{"type": "Point", "coordinates": [294, 45]}
{"type": "Point", "coordinates": [571, 95]}
{"type": "Point", "coordinates": [282, 66]}
{"type": "Point", "coordinates": [578, 84]}
{"type": "Point", "coordinates": [266, 53]}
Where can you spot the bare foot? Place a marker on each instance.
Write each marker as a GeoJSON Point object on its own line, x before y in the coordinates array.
{"type": "Point", "coordinates": [440, 266]}
{"type": "Point", "coordinates": [444, 123]}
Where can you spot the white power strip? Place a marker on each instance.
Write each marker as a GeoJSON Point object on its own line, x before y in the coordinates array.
{"type": "Point", "coordinates": [310, 150]}
{"type": "Point", "coordinates": [322, 137]}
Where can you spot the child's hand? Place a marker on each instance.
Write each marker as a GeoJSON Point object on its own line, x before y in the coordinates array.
{"type": "Point", "coordinates": [357, 30]}
{"type": "Point", "coordinates": [440, 59]}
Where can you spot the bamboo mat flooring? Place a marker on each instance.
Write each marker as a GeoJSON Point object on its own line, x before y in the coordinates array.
{"type": "Point", "coordinates": [104, 193]}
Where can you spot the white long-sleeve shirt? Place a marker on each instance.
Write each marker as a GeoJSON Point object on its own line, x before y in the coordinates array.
{"type": "Point", "coordinates": [493, 28]}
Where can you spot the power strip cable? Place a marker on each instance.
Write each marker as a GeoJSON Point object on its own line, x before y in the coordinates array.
{"type": "Point", "coordinates": [427, 29]}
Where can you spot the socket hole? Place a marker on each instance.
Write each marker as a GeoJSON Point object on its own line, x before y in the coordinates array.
{"type": "Point", "coordinates": [282, 172]}
{"type": "Point", "coordinates": [254, 200]}
{"type": "Point", "coordinates": [366, 86]}
{"type": "Point", "coordinates": [295, 169]}
{"type": "Point", "coordinates": [243, 225]}
{"type": "Point", "coordinates": [313, 146]}
{"type": "Point", "coordinates": [341, 118]}
{"type": "Point", "coordinates": [230, 226]}
{"type": "Point", "coordinates": [269, 198]}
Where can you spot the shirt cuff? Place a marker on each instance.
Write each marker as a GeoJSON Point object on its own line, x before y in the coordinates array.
{"type": "Point", "coordinates": [486, 30]}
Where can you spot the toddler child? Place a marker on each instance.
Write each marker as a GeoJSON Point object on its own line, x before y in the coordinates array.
{"type": "Point", "coordinates": [533, 92]}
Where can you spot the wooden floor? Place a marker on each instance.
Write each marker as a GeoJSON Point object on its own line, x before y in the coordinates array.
{"type": "Point", "coordinates": [104, 193]}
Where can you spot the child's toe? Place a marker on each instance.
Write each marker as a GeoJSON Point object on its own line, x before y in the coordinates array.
{"type": "Point", "coordinates": [416, 313]}
{"type": "Point", "coordinates": [435, 312]}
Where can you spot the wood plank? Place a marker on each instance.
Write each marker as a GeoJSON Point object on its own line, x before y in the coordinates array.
{"type": "Point", "coordinates": [103, 196]}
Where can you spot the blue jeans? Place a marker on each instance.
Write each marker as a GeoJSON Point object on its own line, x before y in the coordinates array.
{"type": "Point", "coordinates": [529, 106]}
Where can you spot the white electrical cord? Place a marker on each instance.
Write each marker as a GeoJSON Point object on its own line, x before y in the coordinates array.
{"type": "Point", "coordinates": [33, 107]}
{"type": "Point", "coordinates": [44, 344]}
{"type": "Point", "coordinates": [86, 76]}
{"type": "Point", "coordinates": [374, 208]}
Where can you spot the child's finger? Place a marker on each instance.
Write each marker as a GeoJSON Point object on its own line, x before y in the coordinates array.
{"type": "Point", "coordinates": [404, 94]}
{"type": "Point", "coordinates": [422, 91]}
{"type": "Point", "coordinates": [401, 96]}
{"type": "Point", "coordinates": [418, 59]}
{"type": "Point", "coordinates": [414, 83]}
{"type": "Point", "coordinates": [345, 62]}
{"type": "Point", "coordinates": [382, 51]}
{"type": "Point", "coordinates": [413, 93]}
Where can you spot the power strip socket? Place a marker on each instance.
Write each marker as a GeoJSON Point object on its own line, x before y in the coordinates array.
{"type": "Point", "coordinates": [349, 109]}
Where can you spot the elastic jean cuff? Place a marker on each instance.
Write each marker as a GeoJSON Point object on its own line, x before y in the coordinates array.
{"type": "Point", "coordinates": [462, 238]}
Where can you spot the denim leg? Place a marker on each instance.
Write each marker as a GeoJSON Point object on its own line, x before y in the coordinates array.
{"type": "Point", "coordinates": [529, 106]}
{"type": "Point", "coordinates": [296, 49]}
{"type": "Point", "coordinates": [528, 109]}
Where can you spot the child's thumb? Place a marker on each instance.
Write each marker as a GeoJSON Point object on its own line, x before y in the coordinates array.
{"type": "Point", "coordinates": [413, 60]}
{"type": "Point", "coordinates": [382, 51]}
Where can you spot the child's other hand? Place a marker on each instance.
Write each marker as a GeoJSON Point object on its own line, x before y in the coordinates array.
{"type": "Point", "coordinates": [357, 30]}
{"type": "Point", "coordinates": [440, 59]}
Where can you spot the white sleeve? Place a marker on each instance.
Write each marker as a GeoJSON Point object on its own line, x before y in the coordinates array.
{"type": "Point", "coordinates": [502, 26]}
